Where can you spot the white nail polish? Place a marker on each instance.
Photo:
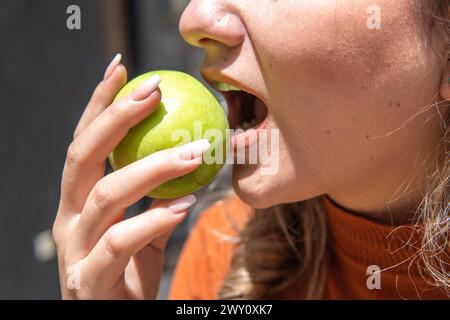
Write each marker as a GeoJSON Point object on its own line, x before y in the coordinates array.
{"type": "Point", "coordinates": [112, 66]}
{"type": "Point", "coordinates": [194, 149]}
{"type": "Point", "coordinates": [146, 88]}
{"type": "Point", "coordinates": [181, 204]}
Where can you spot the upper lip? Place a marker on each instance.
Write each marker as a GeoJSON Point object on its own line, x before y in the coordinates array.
{"type": "Point", "coordinates": [214, 76]}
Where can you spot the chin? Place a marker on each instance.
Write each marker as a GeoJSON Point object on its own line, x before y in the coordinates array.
{"type": "Point", "coordinates": [264, 191]}
{"type": "Point", "coordinates": [256, 190]}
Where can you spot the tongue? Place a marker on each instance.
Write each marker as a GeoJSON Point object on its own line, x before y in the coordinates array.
{"type": "Point", "coordinates": [260, 110]}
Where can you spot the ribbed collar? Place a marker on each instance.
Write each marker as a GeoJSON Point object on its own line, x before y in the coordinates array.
{"type": "Point", "coordinates": [369, 243]}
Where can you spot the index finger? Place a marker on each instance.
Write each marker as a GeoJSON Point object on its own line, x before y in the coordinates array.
{"type": "Point", "coordinates": [115, 77]}
{"type": "Point", "coordinates": [86, 156]}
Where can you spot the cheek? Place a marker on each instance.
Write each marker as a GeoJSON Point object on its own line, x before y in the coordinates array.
{"type": "Point", "coordinates": [330, 51]}
{"type": "Point", "coordinates": [334, 85]}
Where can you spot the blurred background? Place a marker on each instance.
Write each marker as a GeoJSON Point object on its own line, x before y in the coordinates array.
{"type": "Point", "coordinates": [47, 75]}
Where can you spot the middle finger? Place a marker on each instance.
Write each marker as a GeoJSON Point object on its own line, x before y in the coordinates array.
{"type": "Point", "coordinates": [120, 189]}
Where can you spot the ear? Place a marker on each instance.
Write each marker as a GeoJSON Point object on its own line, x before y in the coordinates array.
{"type": "Point", "coordinates": [445, 83]}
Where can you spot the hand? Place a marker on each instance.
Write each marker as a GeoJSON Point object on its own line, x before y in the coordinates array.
{"type": "Point", "coordinates": [101, 255]}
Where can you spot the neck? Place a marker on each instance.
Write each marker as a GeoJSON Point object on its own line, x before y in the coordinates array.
{"type": "Point", "coordinates": [392, 191]}
{"type": "Point", "coordinates": [396, 213]}
{"type": "Point", "coordinates": [392, 197]}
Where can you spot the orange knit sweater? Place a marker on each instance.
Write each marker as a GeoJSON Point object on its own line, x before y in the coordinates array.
{"type": "Point", "coordinates": [355, 243]}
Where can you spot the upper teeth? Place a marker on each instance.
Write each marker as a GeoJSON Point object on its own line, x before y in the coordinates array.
{"type": "Point", "coordinates": [225, 87]}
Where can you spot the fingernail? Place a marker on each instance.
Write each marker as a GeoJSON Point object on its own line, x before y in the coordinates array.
{"type": "Point", "coordinates": [146, 88]}
{"type": "Point", "coordinates": [194, 149]}
{"type": "Point", "coordinates": [181, 204]}
{"type": "Point", "coordinates": [112, 66]}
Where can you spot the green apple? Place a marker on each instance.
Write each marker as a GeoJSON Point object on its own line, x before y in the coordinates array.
{"type": "Point", "coordinates": [188, 105]}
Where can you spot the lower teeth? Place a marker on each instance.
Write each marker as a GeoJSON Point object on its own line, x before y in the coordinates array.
{"type": "Point", "coordinates": [248, 125]}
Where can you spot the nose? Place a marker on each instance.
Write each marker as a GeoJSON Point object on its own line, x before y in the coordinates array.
{"type": "Point", "coordinates": [208, 22]}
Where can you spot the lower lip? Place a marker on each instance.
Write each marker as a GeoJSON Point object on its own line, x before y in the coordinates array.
{"type": "Point", "coordinates": [248, 137]}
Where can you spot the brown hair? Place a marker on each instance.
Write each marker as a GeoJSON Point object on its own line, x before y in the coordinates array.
{"type": "Point", "coordinates": [286, 244]}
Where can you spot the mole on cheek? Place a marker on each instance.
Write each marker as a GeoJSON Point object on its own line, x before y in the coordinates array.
{"type": "Point", "coordinates": [328, 132]}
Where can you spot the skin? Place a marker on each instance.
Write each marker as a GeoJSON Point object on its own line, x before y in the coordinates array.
{"type": "Point", "coordinates": [340, 95]}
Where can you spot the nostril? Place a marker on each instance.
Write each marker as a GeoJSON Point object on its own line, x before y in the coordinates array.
{"type": "Point", "coordinates": [204, 41]}
{"type": "Point", "coordinates": [210, 22]}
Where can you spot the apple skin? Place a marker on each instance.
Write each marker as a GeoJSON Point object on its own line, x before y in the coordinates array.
{"type": "Point", "coordinates": [184, 101]}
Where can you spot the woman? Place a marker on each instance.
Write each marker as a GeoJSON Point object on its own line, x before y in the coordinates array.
{"type": "Point", "coordinates": [359, 208]}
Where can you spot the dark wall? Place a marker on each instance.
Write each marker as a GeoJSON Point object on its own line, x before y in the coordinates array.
{"type": "Point", "coordinates": [46, 75]}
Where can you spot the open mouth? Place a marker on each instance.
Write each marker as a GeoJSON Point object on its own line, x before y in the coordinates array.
{"type": "Point", "coordinates": [245, 111]}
